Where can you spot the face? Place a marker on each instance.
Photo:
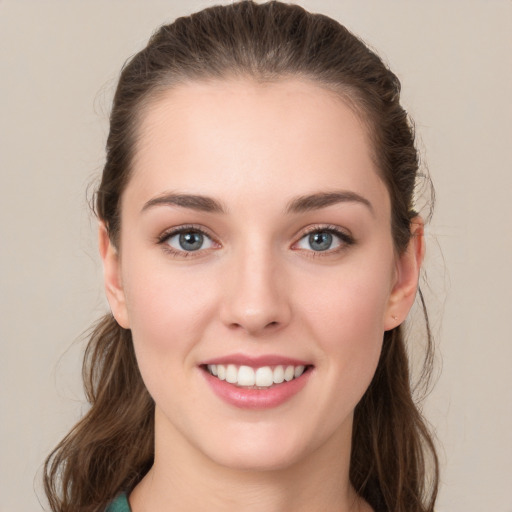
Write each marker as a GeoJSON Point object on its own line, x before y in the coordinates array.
{"type": "Point", "coordinates": [256, 245]}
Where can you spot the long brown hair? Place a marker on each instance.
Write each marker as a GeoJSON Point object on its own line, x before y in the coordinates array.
{"type": "Point", "coordinates": [393, 462]}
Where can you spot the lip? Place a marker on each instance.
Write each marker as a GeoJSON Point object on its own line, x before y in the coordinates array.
{"type": "Point", "coordinates": [256, 361]}
{"type": "Point", "coordinates": [251, 398]}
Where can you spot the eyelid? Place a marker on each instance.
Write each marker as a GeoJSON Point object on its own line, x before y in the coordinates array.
{"type": "Point", "coordinates": [346, 238]}
{"type": "Point", "coordinates": [185, 228]}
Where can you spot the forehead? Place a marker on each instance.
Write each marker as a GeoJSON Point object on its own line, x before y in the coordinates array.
{"type": "Point", "coordinates": [242, 136]}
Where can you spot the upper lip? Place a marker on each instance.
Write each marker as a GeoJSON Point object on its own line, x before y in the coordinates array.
{"type": "Point", "coordinates": [256, 361]}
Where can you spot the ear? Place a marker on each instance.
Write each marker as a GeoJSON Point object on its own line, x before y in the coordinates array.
{"type": "Point", "coordinates": [408, 267]}
{"type": "Point", "coordinates": [112, 277]}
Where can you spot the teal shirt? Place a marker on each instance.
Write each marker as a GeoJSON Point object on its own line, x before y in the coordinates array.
{"type": "Point", "coordinates": [120, 504]}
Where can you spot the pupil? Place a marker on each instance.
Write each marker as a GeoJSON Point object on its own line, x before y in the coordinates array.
{"type": "Point", "coordinates": [191, 241]}
{"type": "Point", "coordinates": [320, 241]}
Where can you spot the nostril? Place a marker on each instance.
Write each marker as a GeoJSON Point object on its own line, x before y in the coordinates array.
{"type": "Point", "coordinates": [252, 328]}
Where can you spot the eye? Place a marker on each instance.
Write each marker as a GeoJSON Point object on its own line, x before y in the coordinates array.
{"type": "Point", "coordinates": [324, 239]}
{"type": "Point", "coordinates": [187, 240]}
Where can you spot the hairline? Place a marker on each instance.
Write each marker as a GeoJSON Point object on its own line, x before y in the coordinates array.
{"type": "Point", "coordinates": [348, 94]}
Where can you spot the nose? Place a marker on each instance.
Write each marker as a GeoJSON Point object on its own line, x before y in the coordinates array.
{"type": "Point", "coordinates": [255, 293]}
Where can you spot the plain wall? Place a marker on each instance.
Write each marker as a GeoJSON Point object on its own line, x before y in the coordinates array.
{"type": "Point", "coordinates": [58, 65]}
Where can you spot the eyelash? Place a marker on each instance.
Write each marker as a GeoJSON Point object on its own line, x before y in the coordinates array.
{"type": "Point", "coordinates": [345, 240]}
{"type": "Point", "coordinates": [188, 228]}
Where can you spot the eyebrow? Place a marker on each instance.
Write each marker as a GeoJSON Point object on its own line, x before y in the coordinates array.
{"type": "Point", "coordinates": [192, 201]}
{"type": "Point", "coordinates": [300, 204]}
{"type": "Point", "coordinates": [324, 199]}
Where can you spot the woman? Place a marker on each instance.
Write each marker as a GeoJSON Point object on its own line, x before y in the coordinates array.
{"type": "Point", "coordinates": [261, 251]}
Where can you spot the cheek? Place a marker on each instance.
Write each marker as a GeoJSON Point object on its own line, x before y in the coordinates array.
{"type": "Point", "coordinates": [169, 311]}
{"type": "Point", "coordinates": [168, 307]}
{"type": "Point", "coordinates": [346, 315]}
{"type": "Point", "coordinates": [352, 338]}
{"type": "Point", "coordinates": [350, 302]}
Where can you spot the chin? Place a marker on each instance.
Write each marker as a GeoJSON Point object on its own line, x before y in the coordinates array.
{"type": "Point", "coordinates": [257, 462]}
{"type": "Point", "coordinates": [258, 452]}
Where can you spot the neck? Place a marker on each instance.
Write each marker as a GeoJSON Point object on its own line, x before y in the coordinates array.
{"type": "Point", "coordinates": [183, 479]}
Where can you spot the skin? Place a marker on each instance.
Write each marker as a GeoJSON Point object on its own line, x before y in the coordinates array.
{"type": "Point", "coordinates": [257, 288]}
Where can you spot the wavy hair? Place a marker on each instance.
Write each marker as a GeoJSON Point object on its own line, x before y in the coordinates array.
{"type": "Point", "coordinates": [393, 462]}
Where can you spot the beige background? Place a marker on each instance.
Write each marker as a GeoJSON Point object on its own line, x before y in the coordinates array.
{"type": "Point", "coordinates": [58, 64]}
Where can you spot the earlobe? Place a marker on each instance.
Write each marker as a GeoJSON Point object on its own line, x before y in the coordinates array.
{"type": "Point", "coordinates": [408, 267]}
{"type": "Point", "coordinates": [112, 276]}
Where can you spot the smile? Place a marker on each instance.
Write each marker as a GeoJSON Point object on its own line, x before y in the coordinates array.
{"type": "Point", "coordinates": [260, 382]}
{"type": "Point", "coordinates": [256, 378]}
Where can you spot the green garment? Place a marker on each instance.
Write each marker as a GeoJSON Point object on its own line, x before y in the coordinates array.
{"type": "Point", "coordinates": [120, 504]}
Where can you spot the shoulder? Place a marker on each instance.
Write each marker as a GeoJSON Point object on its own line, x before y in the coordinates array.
{"type": "Point", "coordinates": [120, 504]}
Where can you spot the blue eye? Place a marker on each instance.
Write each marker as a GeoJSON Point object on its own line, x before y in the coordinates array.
{"type": "Point", "coordinates": [323, 240]}
{"type": "Point", "coordinates": [189, 241]}
{"type": "Point", "coordinates": [320, 241]}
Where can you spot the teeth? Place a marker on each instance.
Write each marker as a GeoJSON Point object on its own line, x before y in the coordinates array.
{"type": "Point", "coordinates": [289, 373]}
{"type": "Point", "coordinates": [299, 370]}
{"type": "Point", "coordinates": [278, 374]}
{"type": "Point", "coordinates": [246, 376]}
{"type": "Point", "coordinates": [262, 377]}
{"type": "Point", "coordinates": [231, 374]}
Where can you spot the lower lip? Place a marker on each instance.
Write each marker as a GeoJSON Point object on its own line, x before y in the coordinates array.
{"type": "Point", "coordinates": [246, 398]}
